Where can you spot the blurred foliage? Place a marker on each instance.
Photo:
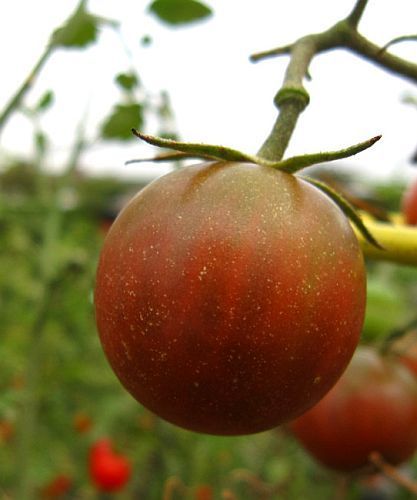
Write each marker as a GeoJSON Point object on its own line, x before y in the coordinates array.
{"type": "Point", "coordinates": [76, 380]}
{"type": "Point", "coordinates": [127, 81]}
{"type": "Point", "coordinates": [51, 231]}
{"type": "Point", "coordinates": [115, 125]}
{"type": "Point", "coordinates": [178, 12]}
{"type": "Point", "coordinates": [80, 29]}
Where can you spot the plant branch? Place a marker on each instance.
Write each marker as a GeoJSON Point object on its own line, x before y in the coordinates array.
{"type": "Point", "coordinates": [399, 39]}
{"type": "Point", "coordinates": [24, 88]}
{"type": "Point", "coordinates": [373, 53]}
{"type": "Point", "coordinates": [357, 12]}
{"type": "Point", "coordinates": [393, 473]}
{"type": "Point", "coordinates": [292, 98]}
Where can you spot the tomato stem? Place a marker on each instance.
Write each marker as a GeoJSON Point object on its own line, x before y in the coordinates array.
{"type": "Point", "coordinates": [292, 98]}
{"type": "Point", "coordinates": [15, 101]}
{"type": "Point", "coordinates": [392, 473]}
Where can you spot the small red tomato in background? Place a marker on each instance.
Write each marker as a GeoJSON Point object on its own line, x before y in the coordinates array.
{"type": "Point", "coordinates": [409, 204]}
{"type": "Point", "coordinates": [57, 487]}
{"type": "Point", "coordinates": [82, 422]}
{"type": "Point", "coordinates": [203, 492]}
{"type": "Point", "coordinates": [372, 408]}
{"type": "Point", "coordinates": [109, 471]}
{"type": "Point", "coordinates": [7, 430]}
{"type": "Point", "coordinates": [230, 297]}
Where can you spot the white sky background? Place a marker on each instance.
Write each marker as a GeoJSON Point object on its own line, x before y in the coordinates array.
{"type": "Point", "coordinates": [218, 96]}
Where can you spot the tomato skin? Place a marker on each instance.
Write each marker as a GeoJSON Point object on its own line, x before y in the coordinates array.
{"type": "Point", "coordinates": [409, 204]}
{"type": "Point", "coordinates": [229, 297]}
{"type": "Point", "coordinates": [373, 407]}
{"type": "Point", "coordinates": [109, 472]}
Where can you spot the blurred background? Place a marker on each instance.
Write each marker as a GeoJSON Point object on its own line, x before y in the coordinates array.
{"type": "Point", "coordinates": [216, 94]}
{"type": "Point", "coordinates": [76, 77]}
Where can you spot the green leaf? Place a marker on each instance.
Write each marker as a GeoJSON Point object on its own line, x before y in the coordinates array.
{"type": "Point", "coordinates": [80, 29]}
{"type": "Point", "coordinates": [171, 156]}
{"type": "Point", "coordinates": [346, 208]}
{"type": "Point", "coordinates": [45, 101]}
{"type": "Point", "coordinates": [146, 41]}
{"type": "Point", "coordinates": [177, 12]}
{"type": "Point", "coordinates": [41, 142]}
{"type": "Point", "coordinates": [119, 124]}
{"type": "Point", "coordinates": [127, 81]}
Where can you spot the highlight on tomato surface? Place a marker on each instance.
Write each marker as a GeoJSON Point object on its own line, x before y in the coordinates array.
{"type": "Point", "coordinates": [230, 297]}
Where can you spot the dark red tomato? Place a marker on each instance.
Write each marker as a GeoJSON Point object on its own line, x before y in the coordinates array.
{"type": "Point", "coordinates": [409, 204]}
{"type": "Point", "coordinates": [57, 487]}
{"type": "Point", "coordinates": [108, 470]}
{"type": "Point", "coordinates": [373, 407]}
{"type": "Point", "coordinates": [7, 430]}
{"type": "Point", "coordinates": [203, 492]}
{"type": "Point", "coordinates": [230, 297]}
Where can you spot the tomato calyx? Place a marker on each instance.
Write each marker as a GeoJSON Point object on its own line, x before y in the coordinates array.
{"type": "Point", "coordinates": [188, 150]}
{"type": "Point", "coordinates": [184, 150]}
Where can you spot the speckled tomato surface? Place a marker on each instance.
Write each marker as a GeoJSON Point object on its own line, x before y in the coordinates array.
{"type": "Point", "coordinates": [230, 297]}
{"type": "Point", "coordinates": [372, 408]}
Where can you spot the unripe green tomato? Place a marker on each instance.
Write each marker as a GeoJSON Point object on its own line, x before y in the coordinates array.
{"type": "Point", "coordinates": [230, 297]}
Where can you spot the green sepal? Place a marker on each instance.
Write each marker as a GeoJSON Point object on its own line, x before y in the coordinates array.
{"type": "Point", "coordinates": [171, 156]}
{"type": "Point", "coordinates": [198, 150]}
{"type": "Point", "coordinates": [297, 163]}
{"type": "Point", "coordinates": [223, 153]}
{"type": "Point", "coordinates": [346, 208]}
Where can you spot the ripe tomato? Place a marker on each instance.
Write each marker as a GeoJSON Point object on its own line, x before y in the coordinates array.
{"type": "Point", "coordinates": [57, 487]}
{"type": "Point", "coordinates": [373, 407]}
{"type": "Point", "coordinates": [108, 471]}
{"type": "Point", "coordinates": [230, 297]}
{"type": "Point", "coordinates": [409, 204]}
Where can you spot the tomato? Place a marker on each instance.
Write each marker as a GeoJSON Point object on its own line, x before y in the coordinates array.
{"type": "Point", "coordinates": [108, 470]}
{"type": "Point", "coordinates": [203, 492]}
{"type": "Point", "coordinates": [373, 407]}
{"type": "Point", "coordinates": [230, 297]}
{"type": "Point", "coordinates": [7, 430]}
{"type": "Point", "coordinates": [82, 422]}
{"type": "Point", "coordinates": [409, 204]}
{"type": "Point", "coordinates": [57, 487]}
